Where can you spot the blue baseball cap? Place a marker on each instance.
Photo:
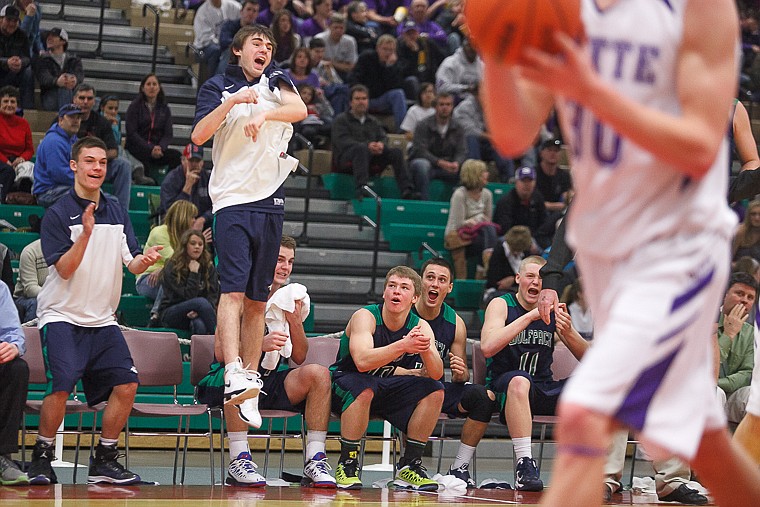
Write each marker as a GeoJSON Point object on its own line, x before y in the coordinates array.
{"type": "Point", "coordinates": [525, 173]}
{"type": "Point", "coordinates": [68, 109]}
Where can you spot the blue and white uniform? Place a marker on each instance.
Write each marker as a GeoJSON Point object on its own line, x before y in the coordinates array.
{"type": "Point", "coordinates": [652, 244]}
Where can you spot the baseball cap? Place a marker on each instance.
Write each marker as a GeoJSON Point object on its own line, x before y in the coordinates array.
{"type": "Point", "coordinates": [60, 32]}
{"type": "Point", "coordinates": [69, 109]}
{"type": "Point", "coordinates": [9, 11]}
{"type": "Point", "coordinates": [409, 25]}
{"type": "Point", "coordinates": [193, 151]}
{"type": "Point", "coordinates": [552, 142]}
{"type": "Point", "coordinates": [525, 173]}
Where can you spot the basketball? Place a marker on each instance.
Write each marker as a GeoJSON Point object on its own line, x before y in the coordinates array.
{"type": "Point", "coordinates": [503, 28]}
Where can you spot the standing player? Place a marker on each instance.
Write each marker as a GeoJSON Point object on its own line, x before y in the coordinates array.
{"type": "Point", "coordinates": [461, 399]}
{"type": "Point", "coordinates": [649, 223]}
{"type": "Point", "coordinates": [248, 111]}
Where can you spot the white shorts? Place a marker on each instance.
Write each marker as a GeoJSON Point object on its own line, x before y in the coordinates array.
{"type": "Point", "coordinates": [650, 366]}
{"type": "Point", "coordinates": [753, 403]}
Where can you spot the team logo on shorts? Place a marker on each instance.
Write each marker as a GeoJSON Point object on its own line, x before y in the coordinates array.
{"type": "Point", "coordinates": [278, 201]}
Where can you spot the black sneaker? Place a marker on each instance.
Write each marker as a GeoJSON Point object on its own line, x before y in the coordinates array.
{"type": "Point", "coordinates": [462, 472]}
{"type": "Point", "coordinates": [685, 495]}
{"type": "Point", "coordinates": [40, 471]}
{"type": "Point", "coordinates": [526, 475]}
{"type": "Point", "coordinates": [105, 469]}
{"type": "Point", "coordinates": [347, 475]}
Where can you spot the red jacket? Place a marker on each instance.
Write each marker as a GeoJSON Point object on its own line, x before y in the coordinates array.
{"type": "Point", "coordinates": [15, 138]}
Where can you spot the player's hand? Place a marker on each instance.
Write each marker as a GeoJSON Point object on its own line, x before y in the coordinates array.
{"type": "Point", "coordinates": [246, 96]}
{"type": "Point", "coordinates": [563, 319]}
{"type": "Point", "coordinates": [252, 129]}
{"type": "Point", "coordinates": [568, 73]}
{"type": "Point", "coordinates": [457, 365]}
{"type": "Point", "coordinates": [151, 256]}
{"type": "Point", "coordinates": [548, 302]}
{"type": "Point", "coordinates": [88, 219]}
{"type": "Point", "coordinates": [208, 235]}
{"type": "Point", "coordinates": [733, 322]}
{"type": "Point", "coordinates": [416, 341]}
{"type": "Point", "coordinates": [8, 352]}
{"type": "Point", "coordinates": [274, 341]}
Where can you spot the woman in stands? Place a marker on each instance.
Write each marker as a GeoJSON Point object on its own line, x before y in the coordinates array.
{"type": "Point", "coordinates": [747, 240]}
{"type": "Point", "coordinates": [16, 146]}
{"type": "Point", "coordinates": [191, 287]}
{"type": "Point", "coordinates": [419, 111]}
{"type": "Point", "coordinates": [149, 126]}
{"type": "Point", "coordinates": [358, 28]}
{"type": "Point", "coordinates": [285, 37]}
{"type": "Point", "coordinates": [301, 69]}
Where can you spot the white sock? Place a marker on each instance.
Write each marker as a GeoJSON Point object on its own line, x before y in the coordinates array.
{"type": "Point", "coordinates": [464, 455]}
{"type": "Point", "coordinates": [315, 442]}
{"type": "Point", "coordinates": [108, 442]}
{"type": "Point", "coordinates": [522, 447]}
{"type": "Point", "coordinates": [238, 443]}
{"type": "Point", "coordinates": [231, 365]}
{"type": "Point", "coordinates": [45, 440]}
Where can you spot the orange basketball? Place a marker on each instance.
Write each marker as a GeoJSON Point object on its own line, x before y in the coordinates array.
{"type": "Point", "coordinates": [503, 28]}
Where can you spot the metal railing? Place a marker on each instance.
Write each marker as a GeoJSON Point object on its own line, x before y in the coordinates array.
{"type": "Point", "coordinates": [157, 15]}
{"type": "Point", "coordinates": [304, 237]}
{"type": "Point", "coordinates": [373, 296]}
{"type": "Point", "coordinates": [101, 23]}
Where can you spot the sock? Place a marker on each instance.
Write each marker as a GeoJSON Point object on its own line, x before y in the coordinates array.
{"type": "Point", "coordinates": [464, 455]}
{"type": "Point", "coordinates": [315, 443]}
{"type": "Point", "coordinates": [522, 447]}
{"type": "Point", "coordinates": [414, 450]}
{"type": "Point", "coordinates": [230, 366]}
{"type": "Point", "coordinates": [238, 443]}
{"type": "Point", "coordinates": [349, 449]}
{"type": "Point", "coordinates": [45, 440]}
{"type": "Point", "coordinates": [108, 442]}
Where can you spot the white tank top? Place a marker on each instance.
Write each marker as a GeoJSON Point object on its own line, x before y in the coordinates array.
{"type": "Point", "coordinates": [625, 197]}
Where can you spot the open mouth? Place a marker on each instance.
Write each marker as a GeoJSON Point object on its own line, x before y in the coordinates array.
{"type": "Point", "coordinates": [533, 292]}
{"type": "Point", "coordinates": [432, 296]}
{"type": "Point", "coordinates": [260, 60]}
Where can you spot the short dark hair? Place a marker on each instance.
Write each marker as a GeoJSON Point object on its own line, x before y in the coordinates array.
{"type": "Point", "coordinates": [316, 43]}
{"type": "Point", "coordinates": [357, 88]}
{"type": "Point", "coordinates": [86, 142]}
{"type": "Point", "coordinates": [438, 261]}
{"type": "Point", "coordinates": [744, 279]}
{"type": "Point", "coordinates": [249, 31]}
{"type": "Point", "coordinates": [84, 87]}
{"type": "Point", "coordinates": [288, 242]}
{"type": "Point", "coordinates": [10, 91]}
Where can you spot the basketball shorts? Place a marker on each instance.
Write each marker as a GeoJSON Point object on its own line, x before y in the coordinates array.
{"type": "Point", "coordinates": [543, 396]}
{"type": "Point", "coordinates": [651, 365]}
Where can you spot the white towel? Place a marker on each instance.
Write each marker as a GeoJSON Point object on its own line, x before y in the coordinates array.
{"type": "Point", "coordinates": [284, 300]}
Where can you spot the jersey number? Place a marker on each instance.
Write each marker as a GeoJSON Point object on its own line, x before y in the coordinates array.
{"type": "Point", "coordinates": [606, 141]}
{"type": "Point", "coordinates": [529, 362]}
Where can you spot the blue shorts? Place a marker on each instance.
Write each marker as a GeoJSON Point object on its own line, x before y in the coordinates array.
{"type": "Point", "coordinates": [395, 398]}
{"type": "Point", "coordinates": [543, 395]}
{"type": "Point", "coordinates": [247, 245]}
{"type": "Point", "coordinates": [453, 396]}
{"type": "Point", "coordinates": [99, 356]}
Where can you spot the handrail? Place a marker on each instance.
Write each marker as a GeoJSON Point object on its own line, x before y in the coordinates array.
{"type": "Point", "coordinates": [155, 33]}
{"type": "Point", "coordinates": [99, 49]}
{"type": "Point", "coordinates": [304, 238]}
{"type": "Point", "coordinates": [425, 246]}
{"type": "Point", "coordinates": [60, 11]}
{"type": "Point", "coordinates": [372, 295]}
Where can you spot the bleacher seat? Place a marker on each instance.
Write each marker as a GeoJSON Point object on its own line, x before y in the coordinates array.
{"type": "Point", "coordinates": [140, 224]}
{"type": "Point", "coordinates": [402, 211]}
{"type": "Point", "coordinates": [16, 241]}
{"type": "Point", "coordinates": [467, 293]}
{"type": "Point", "coordinates": [18, 215]}
{"type": "Point", "coordinates": [409, 237]}
{"type": "Point", "coordinates": [135, 310]}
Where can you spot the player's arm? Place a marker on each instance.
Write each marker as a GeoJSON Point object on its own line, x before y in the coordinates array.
{"type": "Point", "coordinates": [69, 262]}
{"type": "Point", "coordinates": [292, 109]}
{"type": "Point", "coordinates": [431, 359]}
{"type": "Point", "coordinates": [458, 355]}
{"type": "Point", "coordinates": [494, 335]}
{"type": "Point", "coordinates": [744, 140]}
{"type": "Point", "coordinates": [297, 334]}
{"type": "Point", "coordinates": [206, 127]}
{"type": "Point", "coordinates": [366, 357]}
{"type": "Point", "coordinates": [706, 67]}
{"type": "Point", "coordinates": [567, 333]}
{"type": "Point", "coordinates": [140, 263]}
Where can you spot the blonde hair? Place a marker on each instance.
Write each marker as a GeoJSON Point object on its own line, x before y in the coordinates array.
{"type": "Point", "coordinates": [405, 272]}
{"type": "Point", "coordinates": [470, 173]}
{"type": "Point", "coordinates": [178, 216]}
{"type": "Point", "coordinates": [532, 259]}
{"type": "Point", "coordinates": [746, 235]}
{"type": "Point", "coordinates": [518, 239]}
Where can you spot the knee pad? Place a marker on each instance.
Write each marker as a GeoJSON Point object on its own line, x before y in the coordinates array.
{"type": "Point", "coordinates": [477, 404]}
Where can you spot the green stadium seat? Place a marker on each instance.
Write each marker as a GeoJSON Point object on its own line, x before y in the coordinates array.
{"type": "Point", "coordinates": [135, 310]}
{"type": "Point", "coordinates": [401, 211]}
{"type": "Point", "coordinates": [128, 282]}
{"type": "Point", "coordinates": [14, 267]}
{"type": "Point", "coordinates": [140, 195]}
{"type": "Point", "coordinates": [499, 190]}
{"type": "Point", "coordinates": [467, 294]}
{"type": "Point", "coordinates": [16, 241]}
{"type": "Point", "coordinates": [140, 224]}
{"type": "Point", "coordinates": [440, 190]}
{"type": "Point", "coordinates": [409, 237]}
{"type": "Point", "coordinates": [18, 215]}
{"type": "Point", "coordinates": [340, 186]}
{"type": "Point", "coordinates": [385, 187]}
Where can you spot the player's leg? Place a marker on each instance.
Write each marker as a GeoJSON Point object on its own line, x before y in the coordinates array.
{"type": "Point", "coordinates": [519, 417]}
{"type": "Point", "coordinates": [730, 475]}
{"type": "Point", "coordinates": [477, 404]}
{"type": "Point", "coordinates": [242, 469]}
{"type": "Point", "coordinates": [352, 395]}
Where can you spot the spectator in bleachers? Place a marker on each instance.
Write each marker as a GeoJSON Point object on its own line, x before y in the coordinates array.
{"type": "Point", "coordinates": [419, 111]}
{"type": "Point", "coordinates": [119, 171]}
{"type": "Point", "coordinates": [360, 148]}
{"type": "Point", "coordinates": [109, 109]}
{"type": "Point", "coordinates": [576, 303]}
{"type": "Point", "coordinates": [439, 148]}
{"type": "Point", "coordinates": [418, 14]}
{"type": "Point", "coordinates": [736, 345]}
{"type": "Point", "coordinates": [191, 287]}
{"type": "Point", "coordinates": [470, 213]}
{"type": "Point", "coordinates": [387, 14]}
{"type": "Point", "coordinates": [358, 28]}
{"type": "Point", "coordinates": [15, 68]}
{"type": "Point", "coordinates": [552, 181]}
{"type": "Point", "coordinates": [448, 14]}
{"type": "Point", "coordinates": [30, 15]}
{"type": "Point", "coordinates": [747, 239]}
{"type": "Point", "coordinates": [207, 26]}
{"type": "Point", "coordinates": [380, 71]}
{"type": "Point", "coordinates": [460, 73]}
{"type": "Point", "coordinates": [317, 125]}
{"type": "Point", "coordinates": [469, 113]}
{"type": "Point", "coordinates": [286, 38]}
{"type": "Point", "coordinates": [340, 49]}
{"type": "Point", "coordinates": [189, 182]}
{"type": "Point", "coordinates": [523, 205]}
{"type": "Point", "coordinates": [58, 71]}
{"type": "Point", "coordinates": [249, 10]}
{"type": "Point", "coordinates": [335, 89]}
{"type": "Point", "coordinates": [300, 70]}
{"type": "Point", "coordinates": [180, 217]}
{"type": "Point", "coordinates": [16, 146]}
{"type": "Point", "coordinates": [418, 57]}
{"type": "Point", "coordinates": [52, 176]}
{"type": "Point", "coordinates": [505, 261]}
{"type": "Point", "coordinates": [150, 128]}
{"type": "Point", "coordinates": [747, 264]}
{"type": "Point", "coordinates": [32, 272]}
{"type": "Point", "coordinates": [267, 14]}
{"type": "Point", "coordinates": [318, 22]}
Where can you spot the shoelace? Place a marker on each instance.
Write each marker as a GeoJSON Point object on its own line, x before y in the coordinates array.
{"type": "Point", "coordinates": [322, 465]}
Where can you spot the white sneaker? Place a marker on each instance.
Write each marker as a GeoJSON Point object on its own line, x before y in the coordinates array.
{"type": "Point", "coordinates": [240, 384]}
{"type": "Point", "coordinates": [249, 412]}
{"type": "Point", "coordinates": [316, 473]}
{"type": "Point", "coordinates": [242, 472]}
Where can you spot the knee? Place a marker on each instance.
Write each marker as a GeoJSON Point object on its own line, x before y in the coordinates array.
{"type": "Point", "coordinates": [365, 397]}
{"type": "Point", "coordinates": [478, 403]}
{"type": "Point", "coordinates": [518, 387]}
{"type": "Point", "coordinates": [421, 166]}
{"type": "Point", "coordinates": [125, 392]}
{"type": "Point", "coordinates": [434, 398]}
{"type": "Point", "coordinates": [316, 375]}
{"type": "Point", "coordinates": [18, 371]}
{"type": "Point", "coordinates": [577, 423]}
